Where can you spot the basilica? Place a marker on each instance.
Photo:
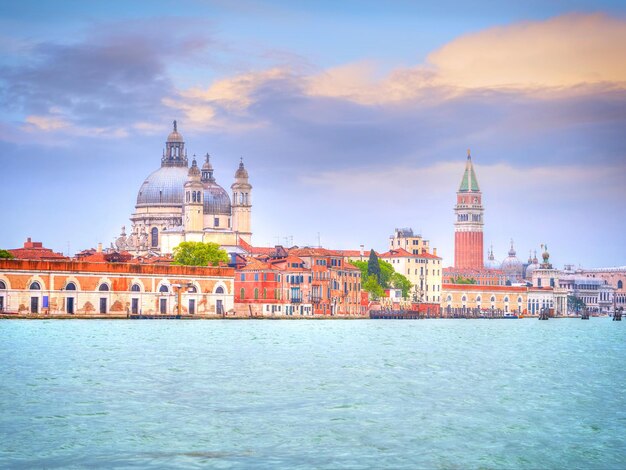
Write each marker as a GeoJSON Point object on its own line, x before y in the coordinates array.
{"type": "Point", "coordinates": [178, 203]}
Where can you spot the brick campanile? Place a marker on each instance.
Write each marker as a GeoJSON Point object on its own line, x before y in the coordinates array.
{"type": "Point", "coordinates": [468, 227]}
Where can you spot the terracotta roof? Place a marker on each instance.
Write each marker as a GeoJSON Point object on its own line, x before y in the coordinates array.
{"type": "Point", "coordinates": [478, 287]}
{"type": "Point", "coordinates": [355, 253]}
{"type": "Point", "coordinates": [256, 265]}
{"type": "Point", "coordinates": [113, 257]}
{"type": "Point", "coordinates": [402, 253]}
{"type": "Point", "coordinates": [36, 251]}
{"type": "Point", "coordinates": [255, 250]}
{"type": "Point", "coordinates": [308, 251]}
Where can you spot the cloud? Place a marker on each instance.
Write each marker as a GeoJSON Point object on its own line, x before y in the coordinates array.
{"type": "Point", "coordinates": [115, 77]}
{"type": "Point", "coordinates": [565, 51]}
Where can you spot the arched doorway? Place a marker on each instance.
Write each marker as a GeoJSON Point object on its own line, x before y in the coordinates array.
{"type": "Point", "coordinates": [70, 300]}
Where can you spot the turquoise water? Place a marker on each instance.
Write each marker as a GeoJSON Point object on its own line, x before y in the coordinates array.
{"type": "Point", "coordinates": [313, 394]}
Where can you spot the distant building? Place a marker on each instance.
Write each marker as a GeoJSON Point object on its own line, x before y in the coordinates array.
{"type": "Point", "coordinates": [36, 251]}
{"type": "Point", "coordinates": [301, 282]}
{"type": "Point", "coordinates": [615, 278]}
{"type": "Point", "coordinates": [405, 238]}
{"type": "Point", "coordinates": [422, 269]}
{"type": "Point", "coordinates": [471, 298]}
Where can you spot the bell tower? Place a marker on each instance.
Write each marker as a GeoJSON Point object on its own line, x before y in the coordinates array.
{"type": "Point", "coordinates": [242, 204]}
{"type": "Point", "coordinates": [468, 226]}
{"type": "Point", "coordinates": [192, 207]}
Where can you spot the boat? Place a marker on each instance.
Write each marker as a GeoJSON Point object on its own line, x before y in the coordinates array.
{"type": "Point", "coordinates": [509, 315]}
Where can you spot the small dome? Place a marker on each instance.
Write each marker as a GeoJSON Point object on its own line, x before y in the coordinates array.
{"type": "Point", "coordinates": [163, 187]}
{"type": "Point", "coordinates": [194, 171]}
{"type": "Point", "coordinates": [491, 262]}
{"type": "Point", "coordinates": [216, 200]}
{"type": "Point", "coordinates": [241, 171]}
{"type": "Point", "coordinates": [175, 136]}
{"type": "Point", "coordinates": [530, 269]}
{"type": "Point", "coordinates": [512, 264]}
{"type": "Point", "coordinates": [207, 163]}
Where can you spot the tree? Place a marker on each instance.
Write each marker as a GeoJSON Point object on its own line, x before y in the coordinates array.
{"type": "Point", "coordinates": [463, 280]}
{"type": "Point", "coordinates": [386, 273]}
{"type": "Point", "coordinates": [575, 304]}
{"type": "Point", "coordinates": [373, 266]}
{"type": "Point", "coordinates": [372, 286]}
{"type": "Point", "coordinates": [5, 254]}
{"type": "Point", "coordinates": [199, 254]}
{"type": "Point", "coordinates": [398, 281]}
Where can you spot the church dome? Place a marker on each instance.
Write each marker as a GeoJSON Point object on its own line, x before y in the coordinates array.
{"type": "Point", "coordinates": [175, 136]}
{"type": "Point", "coordinates": [511, 264]}
{"type": "Point", "coordinates": [241, 171]}
{"type": "Point", "coordinates": [491, 262]}
{"type": "Point", "coordinates": [216, 200]}
{"type": "Point", "coordinates": [164, 187]}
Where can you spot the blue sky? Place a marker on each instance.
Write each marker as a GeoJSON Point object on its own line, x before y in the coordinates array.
{"type": "Point", "coordinates": [352, 117]}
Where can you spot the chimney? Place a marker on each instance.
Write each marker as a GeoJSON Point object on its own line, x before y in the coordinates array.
{"type": "Point", "coordinates": [362, 250]}
{"type": "Point", "coordinates": [99, 248]}
{"type": "Point", "coordinates": [435, 251]}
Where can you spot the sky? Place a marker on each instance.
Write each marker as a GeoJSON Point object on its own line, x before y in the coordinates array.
{"type": "Point", "coordinates": [353, 118]}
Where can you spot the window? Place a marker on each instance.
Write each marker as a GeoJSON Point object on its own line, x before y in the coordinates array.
{"type": "Point", "coordinates": [265, 293]}
{"type": "Point", "coordinates": [242, 293]}
{"type": "Point", "coordinates": [2, 285]}
{"type": "Point", "coordinates": [243, 277]}
{"type": "Point", "coordinates": [620, 284]}
{"type": "Point", "coordinates": [163, 288]}
{"type": "Point", "coordinates": [216, 222]}
{"type": "Point", "coordinates": [219, 290]}
{"type": "Point", "coordinates": [256, 293]}
{"type": "Point", "coordinates": [135, 288]}
{"type": "Point", "coordinates": [506, 299]}
{"type": "Point", "coordinates": [192, 290]}
{"type": "Point", "coordinates": [103, 288]}
{"type": "Point", "coordinates": [35, 286]}
{"type": "Point", "coordinates": [70, 286]}
{"type": "Point", "coordinates": [154, 233]}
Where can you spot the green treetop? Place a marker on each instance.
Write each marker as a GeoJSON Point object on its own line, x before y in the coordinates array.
{"type": "Point", "coordinates": [199, 254]}
{"type": "Point", "coordinates": [5, 254]}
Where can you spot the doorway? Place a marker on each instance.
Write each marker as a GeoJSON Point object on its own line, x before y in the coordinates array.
{"type": "Point", "coordinates": [163, 306]}
{"type": "Point", "coordinates": [103, 305]}
{"type": "Point", "coordinates": [192, 306]}
{"type": "Point", "coordinates": [34, 305]}
{"type": "Point", "coordinates": [134, 306]}
{"type": "Point", "coordinates": [70, 305]}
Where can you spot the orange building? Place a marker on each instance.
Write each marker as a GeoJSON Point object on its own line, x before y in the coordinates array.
{"type": "Point", "coordinates": [71, 287]}
{"type": "Point", "coordinates": [477, 299]}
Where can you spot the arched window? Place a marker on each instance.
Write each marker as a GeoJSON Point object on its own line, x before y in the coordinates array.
{"type": "Point", "coordinates": [519, 300]}
{"type": "Point", "coordinates": [265, 293]}
{"type": "Point", "coordinates": [163, 288]}
{"type": "Point", "coordinates": [35, 286]}
{"type": "Point", "coordinates": [449, 298]}
{"type": "Point", "coordinates": [135, 288]}
{"type": "Point", "coordinates": [3, 286]}
{"type": "Point", "coordinates": [192, 290]}
{"type": "Point", "coordinates": [103, 288]}
{"type": "Point", "coordinates": [478, 299]}
{"type": "Point", "coordinates": [219, 290]}
{"type": "Point", "coordinates": [242, 293]}
{"type": "Point", "coordinates": [256, 293]}
{"type": "Point", "coordinates": [493, 298]}
{"type": "Point", "coordinates": [70, 286]}
{"type": "Point", "coordinates": [155, 237]}
{"type": "Point", "coordinates": [506, 299]}
{"type": "Point", "coordinates": [463, 299]}
{"type": "Point", "coordinates": [620, 284]}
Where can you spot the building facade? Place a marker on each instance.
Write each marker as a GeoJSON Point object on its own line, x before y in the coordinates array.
{"type": "Point", "coordinates": [476, 299]}
{"type": "Point", "coordinates": [468, 225]}
{"type": "Point", "coordinates": [422, 269]}
{"type": "Point", "coordinates": [88, 288]}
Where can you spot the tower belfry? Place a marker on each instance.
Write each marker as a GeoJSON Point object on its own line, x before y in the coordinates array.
{"type": "Point", "coordinates": [468, 226]}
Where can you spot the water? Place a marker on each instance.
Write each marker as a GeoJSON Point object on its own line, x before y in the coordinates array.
{"type": "Point", "coordinates": [313, 394]}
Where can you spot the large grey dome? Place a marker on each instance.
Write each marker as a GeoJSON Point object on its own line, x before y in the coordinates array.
{"type": "Point", "coordinates": [164, 187]}
{"type": "Point", "coordinates": [216, 199]}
